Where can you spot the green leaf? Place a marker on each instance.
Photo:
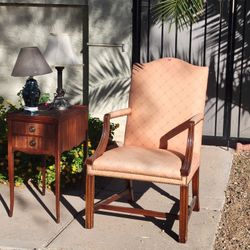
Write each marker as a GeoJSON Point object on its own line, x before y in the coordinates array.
{"type": "Point", "coordinates": [178, 12]}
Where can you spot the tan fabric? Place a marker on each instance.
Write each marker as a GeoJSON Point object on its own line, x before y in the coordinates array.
{"type": "Point", "coordinates": [163, 94]}
{"type": "Point", "coordinates": [91, 171]}
{"type": "Point", "coordinates": [139, 163]}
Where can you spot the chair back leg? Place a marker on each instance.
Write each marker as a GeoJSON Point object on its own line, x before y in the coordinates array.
{"type": "Point", "coordinates": [195, 190]}
{"type": "Point", "coordinates": [131, 191]}
{"type": "Point", "coordinates": [89, 200]}
{"type": "Point", "coordinates": [183, 223]}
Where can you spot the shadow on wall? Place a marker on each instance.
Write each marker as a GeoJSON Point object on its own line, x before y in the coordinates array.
{"type": "Point", "coordinates": [22, 26]}
{"type": "Point", "coordinates": [109, 81]}
{"type": "Point", "coordinates": [110, 68]}
{"type": "Point", "coordinates": [111, 20]}
{"type": "Point", "coordinates": [216, 43]}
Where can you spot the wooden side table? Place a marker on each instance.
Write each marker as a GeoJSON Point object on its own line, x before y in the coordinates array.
{"type": "Point", "coordinates": [47, 133]}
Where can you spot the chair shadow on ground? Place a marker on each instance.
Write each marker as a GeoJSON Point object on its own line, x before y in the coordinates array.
{"type": "Point", "coordinates": [4, 204]}
{"type": "Point", "coordinates": [104, 187]}
{"type": "Point", "coordinates": [37, 194]}
{"type": "Point", "coordinates": [36, 191]}
{"type": "Point", "coordinates": [79, 191]}
{"type": "Point", "coordinates": [165, 225]}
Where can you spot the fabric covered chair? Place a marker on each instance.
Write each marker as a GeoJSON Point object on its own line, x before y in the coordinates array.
{"type": "Point", "coordinates": [162, 138]}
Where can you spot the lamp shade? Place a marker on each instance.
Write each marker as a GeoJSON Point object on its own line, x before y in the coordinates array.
{"type": "Point", "coordinates": [59, 51]}
{"type": "Point", "coordinates": [30, 62]}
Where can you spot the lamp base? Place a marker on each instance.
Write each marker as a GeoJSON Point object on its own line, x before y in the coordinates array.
{"type": "Point", "coordinates": [60, 103]}
{"type": "Point", "coordinates": [31, 94]}
{"type": "Point", "coordinates": [30, 110]}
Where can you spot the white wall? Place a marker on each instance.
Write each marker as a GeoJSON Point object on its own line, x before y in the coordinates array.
{"type": "Point", "coordinates": [110, 68]}
{"type": "Point", "coordinates": [23, 26]}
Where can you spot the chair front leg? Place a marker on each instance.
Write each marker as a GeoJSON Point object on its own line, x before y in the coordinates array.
{"type": "Point", "coordinates": [89, 200]}
{"type": "Point", "coordinates": [183, 222]}
{"type": "Point", "coordinates": [195, 190]}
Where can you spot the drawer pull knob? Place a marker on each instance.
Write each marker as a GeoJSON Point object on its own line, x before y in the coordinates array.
{"type": "Point", "coordinates": [32, 143]}
{"type": "Point", "coordinates": [32, 129]}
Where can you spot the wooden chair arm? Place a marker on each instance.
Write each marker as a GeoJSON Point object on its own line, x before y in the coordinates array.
{"type": "Point", "coordinates": [105, 133]}
{"type": "Point", "coordinates": [180, 128]}
{"type": "Point", "coordinates": [189, 124]}
{"type": "Point", "coordinates": [185, 168]}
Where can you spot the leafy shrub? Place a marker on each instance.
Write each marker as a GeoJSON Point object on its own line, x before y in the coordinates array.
{"type": "Point", "coordinates": [29, 166]}
{"type": "Point", "coordinates": [95, 131]}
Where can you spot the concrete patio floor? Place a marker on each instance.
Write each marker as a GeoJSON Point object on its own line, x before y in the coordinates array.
{"type": "Point", "coordinates": [33, 227]}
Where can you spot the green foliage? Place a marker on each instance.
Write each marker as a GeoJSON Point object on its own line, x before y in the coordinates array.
{"type": "Point", "coordinates": [44, 98]}
{"type": "Point", "coordinates": [29, 166]}
{"type": "Point", "coordinates": [95, 131]}
{"type": "Point", "coordinates": [178, 12]}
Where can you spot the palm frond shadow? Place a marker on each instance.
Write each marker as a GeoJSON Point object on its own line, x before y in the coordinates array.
{"type": "Point", "coordinates": [74, 87]}
{"type": "Point", "coordinates": [138, 66]}
{"type": "Point", "coordinates": [115, 89]}
{"type": "Point", "coordinates": [109, 79]}
{"type": "Point", "coordinates": [217, 42]}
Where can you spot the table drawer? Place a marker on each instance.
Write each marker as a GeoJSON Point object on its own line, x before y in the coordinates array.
{"type": "Point", "coordinates": [37, 129]}
{"type": "Point", "coordinates": [33, 143]}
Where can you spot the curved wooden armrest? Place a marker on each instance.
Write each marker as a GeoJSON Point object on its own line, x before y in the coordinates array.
{"type": "Point", "coordinates": [185, 168]}
{"type": "Point", "coordinates": [105, 133]}
{"type": "Point", "coordinates": [189, 124]}
{"type": "Point", "coordinates": [180, 128]}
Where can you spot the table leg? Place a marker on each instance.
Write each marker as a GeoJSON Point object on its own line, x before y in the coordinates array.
{"type": "Point", "coordinates": [57, 187]}
{"type": "Point", "coordinates": [11, 179]}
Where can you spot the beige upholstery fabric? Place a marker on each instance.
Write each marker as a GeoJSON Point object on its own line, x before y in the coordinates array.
{"type": "Point", "coordinates": [115, 174]}
{"type": "Point", "coordinates": [141, 163]}
{"type": "Point", "coordinates": [164, 93]}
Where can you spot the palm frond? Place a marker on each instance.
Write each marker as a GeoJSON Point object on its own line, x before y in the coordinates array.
{"type": "Point", "coordinates": [178, 12]}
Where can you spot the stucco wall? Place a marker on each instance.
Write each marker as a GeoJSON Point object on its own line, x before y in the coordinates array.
{"type": "Point", "coordinates": [110, 68]}
{"type": "Point", "coordinates": [28, 23]}
{"type": "Point", "coordinates": [22, 26]}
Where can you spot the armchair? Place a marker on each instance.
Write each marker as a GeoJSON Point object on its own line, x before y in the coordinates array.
{"type": "Point", "coordinates": [162, 138]}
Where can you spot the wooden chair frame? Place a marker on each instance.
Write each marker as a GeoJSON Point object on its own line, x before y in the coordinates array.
{"type": "Point", "coordinates": [185, 208]}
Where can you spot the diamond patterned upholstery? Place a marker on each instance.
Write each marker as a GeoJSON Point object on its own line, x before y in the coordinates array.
{"type": "Point", "coordinates": [164, 94]}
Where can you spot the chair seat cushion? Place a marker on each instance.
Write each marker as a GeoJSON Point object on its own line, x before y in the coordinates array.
{"type": "Point", "coordinates": [140, 161]}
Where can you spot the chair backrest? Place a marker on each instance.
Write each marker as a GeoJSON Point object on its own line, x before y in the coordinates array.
{"type": "Point", "coordinates": [163, 94]}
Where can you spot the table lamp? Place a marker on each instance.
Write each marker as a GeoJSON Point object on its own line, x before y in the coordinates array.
{"type": "Point", "coordinates": [59, 53]}
{"type": "Point", "coordinates": [30, 62]}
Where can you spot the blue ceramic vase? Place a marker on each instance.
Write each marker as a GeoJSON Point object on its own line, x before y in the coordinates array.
{"type": "Point", "coordinates": [31, 93]}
